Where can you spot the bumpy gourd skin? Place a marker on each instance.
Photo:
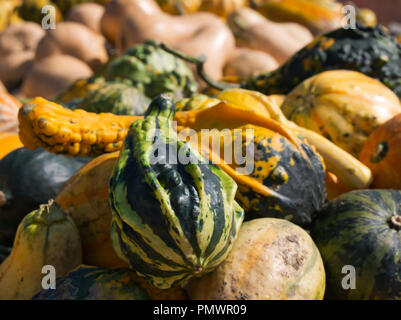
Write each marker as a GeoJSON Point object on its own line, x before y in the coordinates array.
{"type": "Point", "coordinates": [61, 130]}
{"type": "Point", "coordinates": [126, 84]}
{"type": "Point", "coordinates": [171, 222]}
{"type": "Point", "coordinates": [153, 71]}
{"type": "Point", "coordinates": [370, 50]}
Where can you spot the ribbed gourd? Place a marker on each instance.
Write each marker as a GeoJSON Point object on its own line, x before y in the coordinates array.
{"type": "Point", "coordinates": [361, 230]}
{"type": "Point", "coordinates": [153, 71]}
{"type": "Point", "coordinates": [115, 97]}
{"type": "Point", "coordinates": [342, 105]}
{"type": "Point", "coordinates": [171, 220]}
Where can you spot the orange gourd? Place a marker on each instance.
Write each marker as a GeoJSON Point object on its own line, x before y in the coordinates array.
{"type": "Point", "coordinates": [382, 154]}
{"type": "Point", "coordinates": [334, 187]}
{"type": "Point", "coordinates": [9, 141]}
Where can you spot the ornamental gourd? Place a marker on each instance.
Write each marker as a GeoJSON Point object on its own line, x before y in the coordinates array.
{"type": "Point", "coordinates": [318, 15]}
{"type": "Point", "coordinates": [46, 236]}
{"type": "Point", "coordinates": [127, 84]}
{"type": "Point", "coordinates": [382, 154]}
{"type": "Point", "coordinates": [197, 34]}
{"type": "Point", "coordinates": [59, 130]}
{"type": "Point", "coordinates": [344, 106]}
{"type": "Point", "coordinates": [369, 50]}
{"type": "Point", "coordinates": [361, 229]}
{"type": "Point", "coordinates": [171, 221]}
{"type": "Point", "coordinates": [91, 283]}
{"type": "Point", "coordinates": [28, 179]}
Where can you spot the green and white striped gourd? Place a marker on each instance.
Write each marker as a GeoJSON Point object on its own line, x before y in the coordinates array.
{"type": "Point", "coordinates": [171, 222]}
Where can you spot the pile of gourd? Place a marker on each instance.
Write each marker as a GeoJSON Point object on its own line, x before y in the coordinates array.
{"type": "Point", "coordinates": [87, 115]}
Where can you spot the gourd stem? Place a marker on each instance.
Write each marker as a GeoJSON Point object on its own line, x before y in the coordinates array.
{"type": "Point", "coordinates": [396, 222]}
{"type": "Point", "coordinates": [3, 199]}
{"type": "Point", "coordinates": [199, 63]}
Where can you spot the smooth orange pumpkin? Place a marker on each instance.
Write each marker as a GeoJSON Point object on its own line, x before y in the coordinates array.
{"type": "Point", "coordinates": [382, 154]}
{"type": "Point", "coordinates": [9, 107]}
{"type": "Point", "coordinates": [9, 141]}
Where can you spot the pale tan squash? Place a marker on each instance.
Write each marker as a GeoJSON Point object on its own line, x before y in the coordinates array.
{"type": "Point", "coordinates": [15, 66]}
{"type": "Point", "coordinates": [20, 37]}
{"type": "Point", "coordinates": [89, 14]}
{"type": "Point", "coordinates": [244, 63]}
{"type": "Point", "coordinates": [74, 39]}
{"type": "Point", "coordinates": [54, 74]}
{"type": "Point", "coordinates": [272, 259]}
{"type": "Point", "coordinates": [280, 40]}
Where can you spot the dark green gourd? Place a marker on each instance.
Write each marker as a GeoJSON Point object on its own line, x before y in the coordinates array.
{"type": "Point", "coordinates": [361, 229]}
{"type": "Point", "coordinates": [370, 50]}
{"type": "Point", "coordinates": [29, 178]}
{"type": "Point", "coordinates": [171, 221]}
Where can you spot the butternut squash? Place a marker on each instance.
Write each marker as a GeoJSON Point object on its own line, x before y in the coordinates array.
{"type": "Point", "coordinates": [244, 63]}
{"type": "Point", "coordinates": [46, 236]}
{"type": "Point", "coordinates": [112, 18]}
{"type": "Point", "coordinates": [15, 66]}
{"type": "Point", "coordinates": [76, 40]}
{"type": "Point", "coordinates": [19, 37]}
{"type": "Point", "coordinates": [88, 14]}
{"type": "Point", "coordinates": [221, 8]}
{"type": "Point", "coordinates": [53, 75]}
{"type": "Point", "coordinates": [280, 40]}
{"type": "Point", "coordinates": [196, 34]}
